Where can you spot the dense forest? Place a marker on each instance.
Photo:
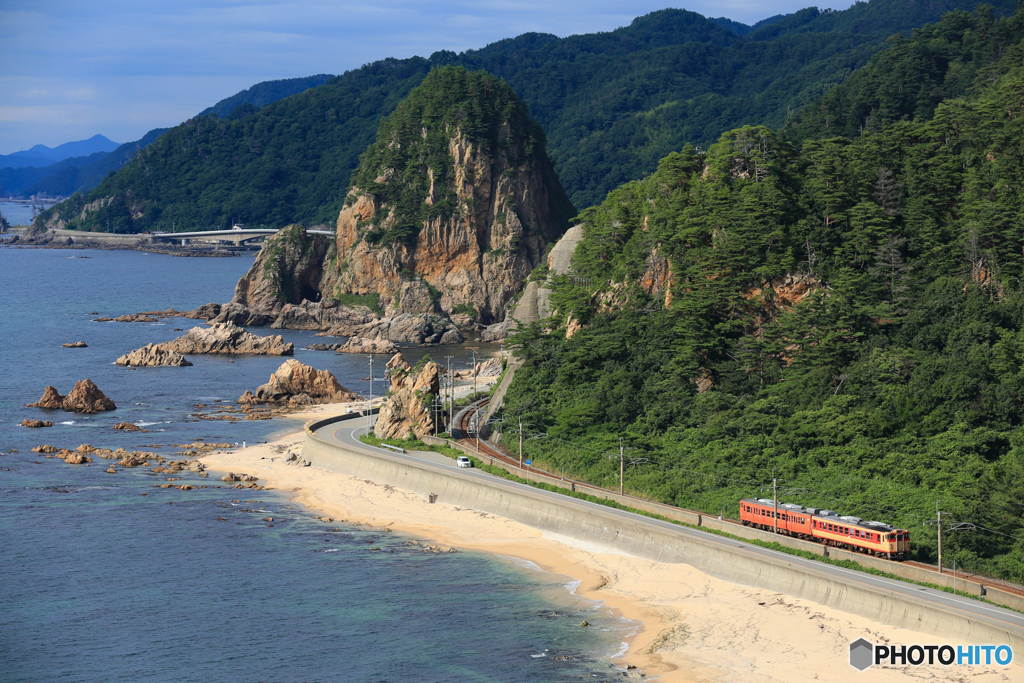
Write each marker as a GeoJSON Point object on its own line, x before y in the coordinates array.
{"type": "Point", "coordinates": [846, 313]}
{"type": "Point", "coordinates": [612, 105]}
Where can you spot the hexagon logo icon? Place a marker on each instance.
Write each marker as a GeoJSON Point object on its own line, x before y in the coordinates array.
{"type": "Point", "coordinates": [861, 654]}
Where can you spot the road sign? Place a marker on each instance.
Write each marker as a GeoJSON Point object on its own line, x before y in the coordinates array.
{"type": "Point", "coordinates": [528, 462]}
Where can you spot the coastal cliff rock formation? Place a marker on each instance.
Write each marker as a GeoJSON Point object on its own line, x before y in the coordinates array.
{"type": "Point", "coordinates": [298, 384]}
{"type": "Point", "coordinates": [150, 356]}
{"type": "Point", "coordinates": [450, 210]}
{"type": "Point", "coordinates": [397, 367]}
{"type": "Point", "coordinates": [228, 338]}
{"type": "Point", "coordinates": [407, 412]}
{"type": "Point", "coordinates": [85, 397]}
{"type": "Point", "coordinates": [361, 345]}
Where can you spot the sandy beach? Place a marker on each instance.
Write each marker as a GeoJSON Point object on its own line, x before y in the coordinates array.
{"type": "Point", "coordinates": [695, 628]}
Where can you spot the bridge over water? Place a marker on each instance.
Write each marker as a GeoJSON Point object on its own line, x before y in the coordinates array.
{"type": "Point", "coordinates": [236, 237]}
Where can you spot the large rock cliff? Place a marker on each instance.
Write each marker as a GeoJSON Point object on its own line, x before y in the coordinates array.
{"type": "Point", "coordinates": [449, 211]}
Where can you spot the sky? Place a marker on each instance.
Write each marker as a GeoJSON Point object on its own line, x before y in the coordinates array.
{"type": "Point", "coordinates": [72, 68]}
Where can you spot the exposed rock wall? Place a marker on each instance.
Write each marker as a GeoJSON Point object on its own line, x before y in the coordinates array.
{"type": "Point", "coordinates": [475, 259]}
{"type": "Point", "coordinates": [407, 411]}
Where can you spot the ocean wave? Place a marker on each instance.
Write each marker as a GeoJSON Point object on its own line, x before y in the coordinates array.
{"type": "Point", "coordinates": [542, 654]}
{"type": "Point", "coordinates": [150, 424]}
{"type": "Point", "coordinates": [329, 550]}
{"type": "Point", "coordinates": [67, 422]}
{"type": "Point", "coordinates": [524, 564]}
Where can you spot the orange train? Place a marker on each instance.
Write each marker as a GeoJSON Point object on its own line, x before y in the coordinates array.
{"type": "Point", "coordinates": [825, 526]}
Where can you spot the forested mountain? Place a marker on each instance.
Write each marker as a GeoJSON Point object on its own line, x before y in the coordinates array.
{"type": "Point", "coordinates": [908, 80]}
{"type": "Point", "coordinates": [19, 181]}
{"type": "Point", "coordinates": [847, 314]}
{"type": "Point", "coordinates": [265, 93]}
{"type": "Point", "coordinates": [40, 175]}
{"type": "Point", "coordinates": [612, 104]}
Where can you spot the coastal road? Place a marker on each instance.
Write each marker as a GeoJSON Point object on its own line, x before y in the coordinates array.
{"type": "Point", "coordinates": [347, 435]}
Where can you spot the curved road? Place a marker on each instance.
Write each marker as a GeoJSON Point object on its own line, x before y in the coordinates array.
{"type": "Point", "coordinates": [346, 434]}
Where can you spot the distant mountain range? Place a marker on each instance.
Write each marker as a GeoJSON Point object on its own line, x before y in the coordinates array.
{"type": "Point", "coordinates": [41, 155]}
{"type": "Point", "coordinates": [80, 166]}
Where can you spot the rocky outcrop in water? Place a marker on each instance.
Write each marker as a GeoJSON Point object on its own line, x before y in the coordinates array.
{"type": "Point", "coordinates": [85, 397]}
{"type": "Point", "coordinates": [295, 383]}
{"type": "Point", "coordinates": [150, 356]}
{"type": "Point", "coordinates": [129, 318]}
{"type": "Point", "coordinates": [408, 410]}
{"type": "Point", "coordinates": [75, 345]}
{"type": "Point", "coordinates": [35, 424]}
{"type": "Point", "coordinates": [361, 345]}
{"type": "Point", "coordinates": [51, 399]}
{"type": "Point", "coordinates": [227, 338]}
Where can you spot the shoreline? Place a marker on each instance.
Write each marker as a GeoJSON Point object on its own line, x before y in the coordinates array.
{"type": "Point", "coordinates": [692, 627]}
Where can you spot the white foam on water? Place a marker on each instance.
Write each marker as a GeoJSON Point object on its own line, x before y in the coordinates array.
{"type": "Point", "coordinates": [331, 550]}
{"type": "Point", "coordinates": [67, 422]}
{"type": "Point", "coordinates": [525, 564]}
{"type": "Point", "coordinates": [150, 424]}
{"type": "Point", "coordinates": [542, 654]}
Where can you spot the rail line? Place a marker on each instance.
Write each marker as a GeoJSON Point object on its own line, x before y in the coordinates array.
{"type": "Point", "coordinates": [464, 426]}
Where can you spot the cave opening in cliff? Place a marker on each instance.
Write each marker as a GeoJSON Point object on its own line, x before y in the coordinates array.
{"type": "Point", "coordinates": [310, 293]}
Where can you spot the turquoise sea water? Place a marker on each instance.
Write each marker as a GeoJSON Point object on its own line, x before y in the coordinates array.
{"type": "Point", "coordinates": [101, 583]}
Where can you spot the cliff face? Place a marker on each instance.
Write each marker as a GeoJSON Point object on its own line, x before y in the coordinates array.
{"type": "Point", "coordinates": [472, 260]}
{"type": "Point", "coordinates": [450, 210]}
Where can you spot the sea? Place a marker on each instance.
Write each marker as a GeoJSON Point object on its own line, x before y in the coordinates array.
{"type": "Point", "coordinates": [18, 213]}
{"type": "Point", "coordinates": [108, 578]}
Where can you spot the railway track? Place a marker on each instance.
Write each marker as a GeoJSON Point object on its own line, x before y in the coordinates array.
{"type": "Point", "coordinates": [464, 425]}
{"type": "Point", "coordinates": [968, 576]}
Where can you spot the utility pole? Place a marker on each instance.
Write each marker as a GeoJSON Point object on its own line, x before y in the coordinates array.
{"type": "Point", "coordinates": [520, 443]}
{"type": "Point", "coordinates": [775, 497]}
{"type": "Point", "coordinates": [938, 526]}
{"type": "Point", "coordinates": [369, 405]}
{"type": "Point", "coordinates": [622, 468]}
{"type": "Point", "coordinates": [451, 391]}
{"type": "Point", "coordinates": [474, 375]}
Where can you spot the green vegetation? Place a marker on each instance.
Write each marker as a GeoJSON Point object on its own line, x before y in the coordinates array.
{"type": "Point", "coordinates": [908, 80]}
{"type": "Point", "coordinates": [848, 314]}
{"type": "Point", "coordinates": [371, 301]}
{"type": "Point", "coordinates": [612, 105]}
{"type": "Point", "coordinates": [466, 309]}
{"type": "Point", "coordinates": [262, 94]}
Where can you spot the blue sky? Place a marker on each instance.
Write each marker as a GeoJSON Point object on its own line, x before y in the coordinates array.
{"type": "Point", "coordinates": [72, 68]}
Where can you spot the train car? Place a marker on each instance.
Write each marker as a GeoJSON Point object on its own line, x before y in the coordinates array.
{"type": "Point", "coordinates": [827, 527]}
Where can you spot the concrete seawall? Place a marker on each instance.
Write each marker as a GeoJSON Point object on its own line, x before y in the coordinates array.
{"type": "Point", "coordinates": [904, 571]}
{"type": "Point", "coordinates": [570, 518]}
